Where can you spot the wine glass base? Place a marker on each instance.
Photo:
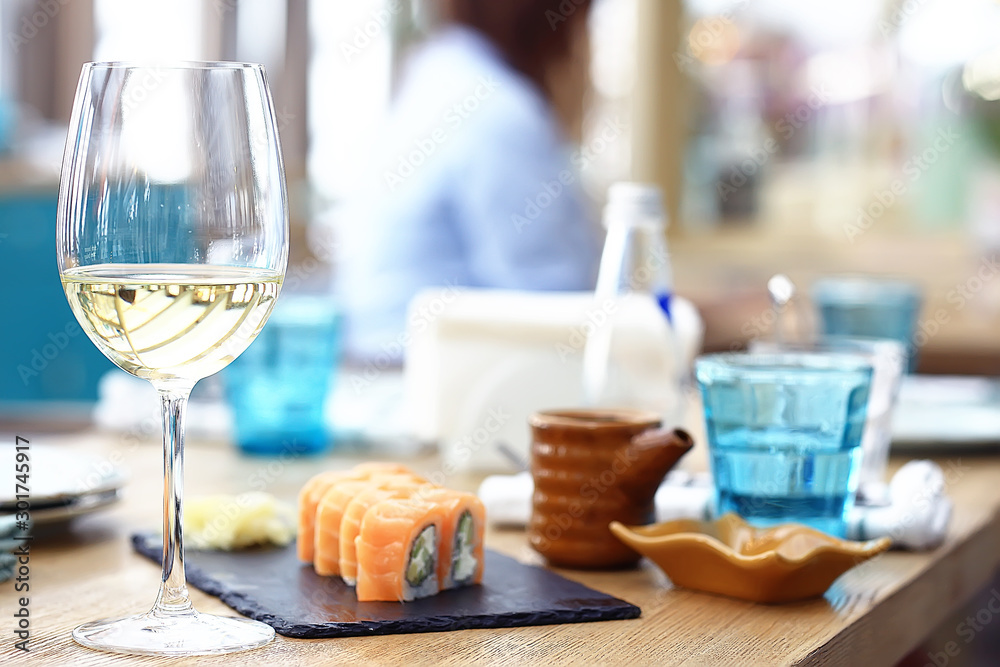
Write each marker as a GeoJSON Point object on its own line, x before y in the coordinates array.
{"type": "Point", "coordinates": [189, 633]}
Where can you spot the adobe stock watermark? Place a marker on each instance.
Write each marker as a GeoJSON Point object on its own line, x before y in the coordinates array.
{"type": "Point", "coordinates": [98, 473]}
{"type": "Point", "coordinates": [458, 454]}
{"type": "Point", "coordinates": [21, 487]}
{"type": "Point", "coordinates": [554, 526]}
{"type": "Point", "coordinates": [967, 630]}
{"type": "Point", "coordinates": [913, 169]}
{"type": "Point", "coordinates": [706, 35]}
{"type": "Point", "coordinates": [245, 333]}
{"type": "Point", "coordinates": [259, 480]}
{"type": "Point", "coordinates": [424, 147]}
{"type": "Point", "coordinates": [321, 255]}
{"type": "Point", "coordinates": [420, 320]}
{"type": "Point", "coordinates": [31, 24]}
{"type": "Point", "coordinates": [756, 327]}
{"type": "Point", "coordinates": [960, 295]}
{"type": "Point", "coordinates": [902, 12]}
{"type": "Point", "coordinates": [581, 159]}
{"type": "Point", "coordinates": [786, 126]}
{"type": "Point", "coordinates": [595, 319]}
{"type": "Point", "coordinates": [138, 89]}
{"type": "Point", "coordinates": [561, 14]}
{"type": "Point", "coordinates": [222, 7]}
{"type": "Point", "coordinates": [224, 521]}
{"type": "Point", "coordinates": [610, 132]}
{"type": "Point", "coordinates": [365, 33]}
{"type": "Point", "coordinates": [918, 505]}
{"type": "Point", "coordinates": [601, 314]}
{"type": "Point", "coordinates": [41, 357]}
{"type": "Point", "coordinates": [260, 135]}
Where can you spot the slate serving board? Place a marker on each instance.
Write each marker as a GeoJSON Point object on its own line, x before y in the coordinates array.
{"type": "Point", "coordinates": [272, 586]}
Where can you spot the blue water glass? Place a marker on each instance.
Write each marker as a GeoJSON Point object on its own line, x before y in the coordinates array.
{"type": "Point", "coordinates": [870, 307]}
{"type": "Point", "coordinates": [784, 434]}
{"type": "Point", "coordinates": [888, 359]}
{"type": "Point", "coordinates": [278, 387]}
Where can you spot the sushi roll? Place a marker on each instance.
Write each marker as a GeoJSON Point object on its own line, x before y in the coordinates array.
{"type": "Point", "coordinates": [461, 541]}
{"type": "Point", "coordinates": [309, 498]}
{"type": "Point", "coordinates": [315, 488]}
{"type": "Point", "coordinates": [380, 468]}
{"type": "Point", "coordinates": [330, 513]}
{"type": "Point", "coordinates": [350, 525]}
{"type": "Point", "coordinates": [398, 550]}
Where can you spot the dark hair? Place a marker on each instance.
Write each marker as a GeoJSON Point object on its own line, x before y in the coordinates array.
{"type": "Point", "coordinates": [530, 34]}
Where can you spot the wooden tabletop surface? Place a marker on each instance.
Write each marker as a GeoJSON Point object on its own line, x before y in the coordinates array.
{"type": "Point", "coordinates": [873, 615]}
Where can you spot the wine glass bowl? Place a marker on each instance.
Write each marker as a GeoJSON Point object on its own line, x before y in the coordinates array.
{"type": "Point", "coordinates": [172, 242]}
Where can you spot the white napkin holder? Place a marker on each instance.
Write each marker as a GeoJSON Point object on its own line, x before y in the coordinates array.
{"type": "Point", "coordinates": [479, 362]}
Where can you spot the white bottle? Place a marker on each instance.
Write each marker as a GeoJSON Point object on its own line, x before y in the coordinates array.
{"type": "Point", "coordinates": [635, 255]}
{"type": "Point", "coordinates": [635, 260]}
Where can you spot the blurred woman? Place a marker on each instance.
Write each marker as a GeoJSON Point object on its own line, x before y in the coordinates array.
{"type": "Point", "coordinates": [474, 183]}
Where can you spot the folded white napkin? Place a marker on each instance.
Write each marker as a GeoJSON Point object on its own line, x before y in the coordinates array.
{"type": "Point", "coordinates": [916, 517]}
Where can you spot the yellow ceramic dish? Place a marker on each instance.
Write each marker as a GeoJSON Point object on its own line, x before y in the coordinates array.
{"type": "Point", "coordinates": [729, 557]}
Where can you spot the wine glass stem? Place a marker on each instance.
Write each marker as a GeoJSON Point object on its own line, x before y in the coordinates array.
{"type": "Point", "coordinates": [173, 596]}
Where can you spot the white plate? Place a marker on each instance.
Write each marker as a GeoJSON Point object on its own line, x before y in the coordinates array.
{"type": "Point", "coordinates": [77, 507]}
{"type": "Point", "coordinates": [74, 508]}
{"type": "Point", "coordinates": [55, 476]}
{"type": "Point", "coordinates": [946, 410]}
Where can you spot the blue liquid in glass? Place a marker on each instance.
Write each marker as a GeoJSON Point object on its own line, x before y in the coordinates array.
{"type": "Point", "coordinates": [784, 433]}
{"type": "Point", "coordinates": [871, 308]}
{"type": "Point", "coordinates": [279, 415]}
{"type": "Point", "coordinates": [278, 386]}
{"type": "Point", "coordinates": [776, 476]}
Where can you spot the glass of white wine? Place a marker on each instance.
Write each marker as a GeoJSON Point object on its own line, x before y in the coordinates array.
{"type": "Point", "coordinates": [172, 242]}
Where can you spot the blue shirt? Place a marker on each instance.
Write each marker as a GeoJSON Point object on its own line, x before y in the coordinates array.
{"type": "Point", "coordinates": [473, 186]}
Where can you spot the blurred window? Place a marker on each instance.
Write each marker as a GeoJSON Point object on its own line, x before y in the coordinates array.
{"type": "Point", "coordinates": [349, 82]}
{"type": "Point", "coordinates": [777, 114]}
{"type": "Point", "coordinates": [130, 30]}
{"type": "Point", "coordinates": [803, 117]}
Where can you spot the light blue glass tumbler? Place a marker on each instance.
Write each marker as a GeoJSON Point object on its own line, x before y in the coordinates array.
{"type": "Point", "coordinates": [278, 387]}
{"type": "Point", "coordinates": [870, 307]}
{"type": "Point", "coordinates": [784, 434]}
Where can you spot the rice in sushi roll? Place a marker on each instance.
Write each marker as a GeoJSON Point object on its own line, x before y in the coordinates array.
{"type": "Point", "coordinates": [398, 551]}
{"type": "Point", "coordinates": [461, 541]}
{"type": "Point", "coordinates": [350, 524]}
{"type": "Point", "coordinates": [330, 513]}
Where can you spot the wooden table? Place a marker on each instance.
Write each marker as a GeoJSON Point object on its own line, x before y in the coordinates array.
{"type": "Point", "coordinates": [873, 615]}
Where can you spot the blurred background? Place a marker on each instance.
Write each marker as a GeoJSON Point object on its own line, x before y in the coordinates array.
{"type": "Point", "coordinates": [860, 136]}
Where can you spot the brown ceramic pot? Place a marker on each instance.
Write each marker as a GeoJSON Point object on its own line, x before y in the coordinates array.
{"type": "Point", "coordinates": [592, 467]}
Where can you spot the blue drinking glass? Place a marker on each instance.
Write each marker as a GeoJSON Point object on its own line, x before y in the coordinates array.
{"type": "Point", "coordinates": [870, 307]}
{"type": "Point", "coordinates": [279, 385]}
{"type": "Point", "coordinates": [888, 359]}
{"type": "Point", "coordinates": [784, 434]}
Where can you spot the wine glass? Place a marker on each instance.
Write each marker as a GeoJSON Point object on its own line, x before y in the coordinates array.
{"type": "Point", "coordinates": [172, 242]}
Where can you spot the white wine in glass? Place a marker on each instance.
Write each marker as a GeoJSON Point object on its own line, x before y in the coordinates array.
{"type": "Point", "coordinates": [172, 238]}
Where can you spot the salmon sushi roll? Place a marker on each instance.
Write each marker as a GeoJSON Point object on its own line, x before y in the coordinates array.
{"type": "Point", "coordinates": [380, 468]}
{"type": "Point", "coordinates": [350, 525]}
{"type": "Point", "coordinates": [330, 513]}
{"type": "Point", "coordinates": [317, 486]}
{"type": "Point", "coordinates": [398, 550]}
{"type": "Point", "coordinates": [309, 498]}
{"type": "Point", "coordinates": [461, 541]}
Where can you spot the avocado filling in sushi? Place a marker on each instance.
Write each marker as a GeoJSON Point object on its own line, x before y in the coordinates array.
{"type": "Point", "coordinates": [463, 564]}
{"type": "Point", "coordinates": [422, 558]}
